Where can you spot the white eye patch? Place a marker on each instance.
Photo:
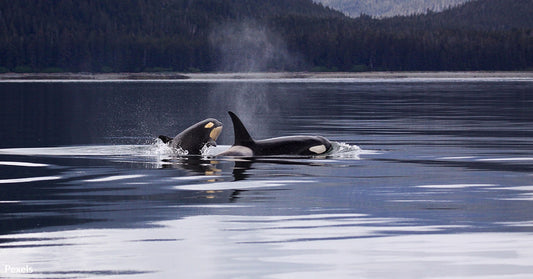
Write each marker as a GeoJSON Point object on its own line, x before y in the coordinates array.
{"type": "Point", "coordinates": [318, 149]}
{"type": "Point", "coordinates": [209, 125]}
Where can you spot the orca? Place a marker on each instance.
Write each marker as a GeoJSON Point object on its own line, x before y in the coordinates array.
{"type": "Point", "coordinates": [246, 146]}
{"type": "Point", "coordinates": [194, 138]}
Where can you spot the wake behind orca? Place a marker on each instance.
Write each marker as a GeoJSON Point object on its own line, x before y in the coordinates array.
{"type": "Point", "coordinates": [246, 146]}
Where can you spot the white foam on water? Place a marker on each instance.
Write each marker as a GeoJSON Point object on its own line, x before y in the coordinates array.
{"type": "Point", "coordinates": [343, 150]}
{"type": "Point", "coordinates": [212, 151]}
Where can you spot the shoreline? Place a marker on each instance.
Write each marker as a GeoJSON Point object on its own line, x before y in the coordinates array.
{"type": "Point", "coordinates": [262, 76]}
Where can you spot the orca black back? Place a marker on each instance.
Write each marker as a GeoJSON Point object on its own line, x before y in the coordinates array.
{"type": "Point", "coordinates": [245, 145]}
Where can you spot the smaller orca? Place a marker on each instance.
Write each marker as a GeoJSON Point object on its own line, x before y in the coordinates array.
{"type": "Point", "coordinates": [246, 146]}
{"type": "Point", "coordinates": [194, 138]}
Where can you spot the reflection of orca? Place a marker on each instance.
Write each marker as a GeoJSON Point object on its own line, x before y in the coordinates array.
{"type": "Point", "coordinates": [194, 138]}
{"type": "Point", "coordinates": [195, 164]}
{"type": "Point", "coordinates": [292, 145]}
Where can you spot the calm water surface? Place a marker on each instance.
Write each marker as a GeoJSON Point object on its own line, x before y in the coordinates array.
{"type": "Point", "coordinates": [431, 178]}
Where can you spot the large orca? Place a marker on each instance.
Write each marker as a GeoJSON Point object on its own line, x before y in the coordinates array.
{"type": "Point", "coordinates": [246, 146]}
{"type": "Point", "coordinates": [194, 138]}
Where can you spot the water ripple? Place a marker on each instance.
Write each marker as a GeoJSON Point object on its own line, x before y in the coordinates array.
{"type": "Point", "coordinates": [28, 179]}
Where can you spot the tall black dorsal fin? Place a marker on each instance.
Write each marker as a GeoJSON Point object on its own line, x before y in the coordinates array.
{"type": "Point", "coordinates": [242, 137]}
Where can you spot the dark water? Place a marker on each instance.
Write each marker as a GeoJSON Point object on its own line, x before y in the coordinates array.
{"type": "Point", "coordinates": [431, 179]}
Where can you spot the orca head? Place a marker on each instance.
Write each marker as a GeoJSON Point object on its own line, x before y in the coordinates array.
{"type": "Point", "coordinates": [194, 138]}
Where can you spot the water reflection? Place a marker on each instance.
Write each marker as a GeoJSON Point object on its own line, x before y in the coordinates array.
{"type": "Point", "coordinates": [229, 246]}
{"type": "Point", "coordinates": [194, 164]}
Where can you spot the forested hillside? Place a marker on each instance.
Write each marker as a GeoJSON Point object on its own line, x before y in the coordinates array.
{"type": "Point", "coordinates": [133, 35]}
{"type": "Point", "coordinates": [257, 35]}
{"type": "Point", "coordinates": [485, 15]}
{"type": "Point", "coordinates": [389, 8]}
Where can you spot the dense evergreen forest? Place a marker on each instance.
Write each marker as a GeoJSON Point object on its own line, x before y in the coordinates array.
{"type": "Point", "coordinates": [389, 8]}
{"type": "Point", "coordinates": [258, 35]}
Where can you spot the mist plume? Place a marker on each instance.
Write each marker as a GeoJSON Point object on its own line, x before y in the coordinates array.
{"type": "Point", "coordinates": [250, 47]}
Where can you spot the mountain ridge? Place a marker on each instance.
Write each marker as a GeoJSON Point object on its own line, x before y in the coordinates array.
{"type": "Point", "coordinates": [257, 35]}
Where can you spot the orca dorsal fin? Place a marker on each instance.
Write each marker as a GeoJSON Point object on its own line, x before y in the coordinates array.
{"type": "Point", "coordinates": [242, 137]}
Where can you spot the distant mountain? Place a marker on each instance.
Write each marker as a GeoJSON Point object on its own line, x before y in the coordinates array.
{"type": "Point", "coordinates": [479, 15]}
{"type": "Point", "coordinates": [389, 8]}
{"type": "Point", "coordinates": [258, 35]}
